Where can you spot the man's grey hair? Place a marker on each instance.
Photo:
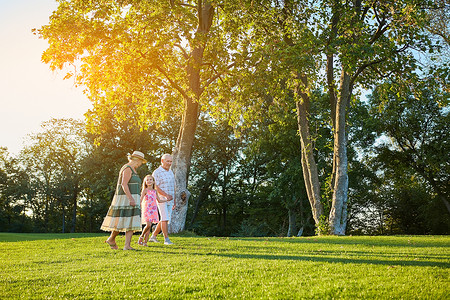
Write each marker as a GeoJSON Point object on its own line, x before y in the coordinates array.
{"type": "Point", "coordinates": [165, 156]}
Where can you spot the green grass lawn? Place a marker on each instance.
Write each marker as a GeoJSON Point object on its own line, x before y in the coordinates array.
{"type": "Point", "coordinates": [82, 266]}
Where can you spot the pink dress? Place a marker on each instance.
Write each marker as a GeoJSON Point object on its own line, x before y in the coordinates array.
{"type": "Point", "coordinates": [150, 208]}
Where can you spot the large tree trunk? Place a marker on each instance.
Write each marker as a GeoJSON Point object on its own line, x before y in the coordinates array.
{"type": "Point", "coordinates": [309, 167]}
{"type": "Point", "coordinates": [181, 164]}
{"type": "Point", "coordinates": [183, 149]}
{"type": "Point", "coordinates": [338, 213]}
{"type": "Point", "coordinates": [224, 197]}
{"type": "Point", "coordinates": [333, 102]}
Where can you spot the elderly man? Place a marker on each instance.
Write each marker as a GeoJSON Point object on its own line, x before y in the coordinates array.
{"type": "Point", "coordinates": [165, 186]}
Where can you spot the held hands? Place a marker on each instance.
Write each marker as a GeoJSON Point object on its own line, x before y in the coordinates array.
{"type": "Point", "coordinates": [166, 197]}
{"type": "Point", "coordinates": [132, 202]}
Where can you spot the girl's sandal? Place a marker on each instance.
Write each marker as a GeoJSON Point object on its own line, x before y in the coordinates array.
{"type": "Point", "coordinates": [140, 241]}
{"type": "Point", "coordinates": [144, 244]}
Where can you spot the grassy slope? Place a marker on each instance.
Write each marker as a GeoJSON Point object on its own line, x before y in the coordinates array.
{"type": "Point", "coordinates": [77, 265]}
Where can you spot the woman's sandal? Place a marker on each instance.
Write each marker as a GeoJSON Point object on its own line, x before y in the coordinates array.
{"type": "Point", "coordinates": [113, 246]}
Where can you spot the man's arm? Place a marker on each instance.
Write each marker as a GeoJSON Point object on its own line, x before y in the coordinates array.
{"type": "Point", "coordinates": [161, 192]}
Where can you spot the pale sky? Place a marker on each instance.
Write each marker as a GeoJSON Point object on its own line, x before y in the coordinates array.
{"type": "Point", "coordinates": [30, 93]}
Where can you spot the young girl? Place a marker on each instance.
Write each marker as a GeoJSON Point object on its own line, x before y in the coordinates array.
{"type": "Point", "coordinates": [149, 208]}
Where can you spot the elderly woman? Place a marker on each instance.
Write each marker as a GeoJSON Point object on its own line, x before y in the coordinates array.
{"type": "Point", "coordinates": [124, 214]}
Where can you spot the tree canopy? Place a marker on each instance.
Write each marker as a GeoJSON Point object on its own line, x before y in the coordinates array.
{"type": "Point", "coordinates": [263, 104]}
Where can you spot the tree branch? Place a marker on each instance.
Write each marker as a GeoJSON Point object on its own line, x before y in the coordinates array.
{"type": "Point", "coordinates": [212, 79]}
{"type": "Point", "coordinates": [365, 11]}
{"type": "Point", "coordinates": [199, 13]}
{"type": "Point", "coordinates": [376, 13]}
{"type": "Point", "coordinates": [187, 5]}
{"type": "Point", "coordinates": [172, 3]}
{"type": "Point", "coordinates": [185, 55]}
{"type": "Point", "coordinates": [172, 83]}
{"type": "Point", "coordinates": [372, 63]}
{"type": "Point", "coordinates": [363, 67]}
{"type": "Point", "coordinates": [164, 73]}
{"type": "Point", "coordinates": [380, 31]}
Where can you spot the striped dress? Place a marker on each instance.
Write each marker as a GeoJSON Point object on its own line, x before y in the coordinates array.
{"type": "Point", "coordinates": [121, 215]}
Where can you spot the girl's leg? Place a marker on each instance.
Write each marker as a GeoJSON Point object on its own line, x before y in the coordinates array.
{"type": "Point", "coordinates": [144, 233]}
{"type": "Point", "coordinates": [128, 236]}
{"type": "Point", "coordinates": [147, 234]}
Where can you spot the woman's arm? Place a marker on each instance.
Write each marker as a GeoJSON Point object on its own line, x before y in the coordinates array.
{"type": "Point", "coordinates": [125, 179]}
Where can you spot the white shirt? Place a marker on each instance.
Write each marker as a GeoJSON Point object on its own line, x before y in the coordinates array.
{"type": "Point", "coordinates": [165, 180]}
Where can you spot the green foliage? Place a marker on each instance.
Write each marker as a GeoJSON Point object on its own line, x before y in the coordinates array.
{"type": "Point", "coordinates": [248, 229]}
{"type": "Point", "coordinates": [53, 160]}
{"type": "Point", "coordinates": [14, 192]}
{"type": "Point", "coordinates": [82, 266]}
{"type": "Point", "coordinates": [263, 179]}
{"type": "Point", "coordinates": [136, 53]}
{"type": "Point", "coordinates": [323, 228]}
{"type": "Point", "coordinates": [135, 60]}
{"type": "Point", "coordinates": [294, 48]}
{"type": "Point", "coordinates": [215, 208]}
{"type": "Point", "coordinates": [416, 118]}
{"type": "Point", "coordinates": [407, 168]}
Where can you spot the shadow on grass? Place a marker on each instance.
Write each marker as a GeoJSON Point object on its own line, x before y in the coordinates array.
{"type": "Point", "coordinates": [395, 241]}
{"type": "Point", "coordinates": [373, 256]}
{"type": "Point", "coordinates": [327, 257]}
{"type": "Point", "coordinates": [20, 237]}
{"type": "Point", "coordinates": [324, 259]}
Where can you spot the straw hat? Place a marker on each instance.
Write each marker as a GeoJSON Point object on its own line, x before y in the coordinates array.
{"type": "Point", "coordinates": [138, 154]}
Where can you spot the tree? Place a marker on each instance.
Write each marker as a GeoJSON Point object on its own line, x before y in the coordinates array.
{"type": "Point", "coordinates": [404, 125]}
{"type": "Point", "coordinates": [414, 115]}
{"type": "Point", "coordinates": [439, 20]}
{"type": "Point", "coordinates": [333, 46]}
{"type": "Point", "coordinates": [53, 161]}
{"type": "Point", "coordinates": [162, 55]}
{"type": "Point", "coordinates": [216, 152]}
{"type": "Point", "coordinates": [14, 195]}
